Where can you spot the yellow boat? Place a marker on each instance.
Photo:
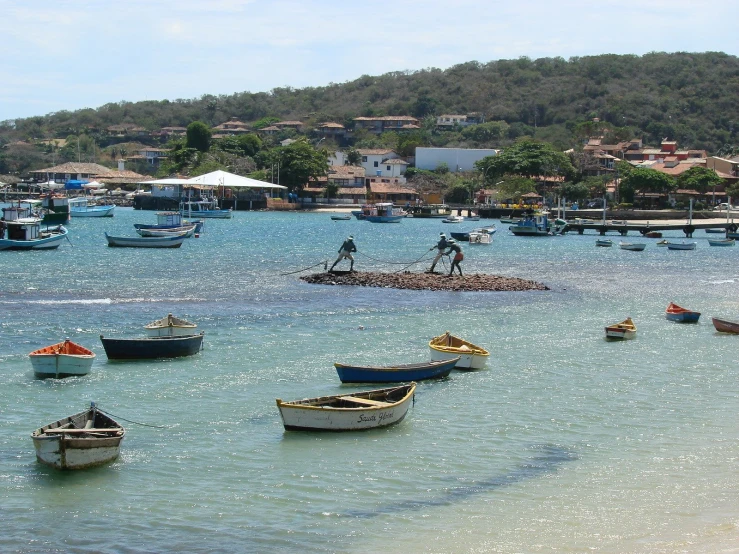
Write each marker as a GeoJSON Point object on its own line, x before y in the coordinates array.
{"type": "Point", "coordinates": [624, 330]}
{"type": "Point", "coordinates": [447, 346]}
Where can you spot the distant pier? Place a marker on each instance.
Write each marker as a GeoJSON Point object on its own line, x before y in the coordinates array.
{"type": "Point", "coordinates": [623, 227]}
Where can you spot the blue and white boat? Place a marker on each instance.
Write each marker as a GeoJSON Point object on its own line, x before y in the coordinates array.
{"type": "Point", "coordinates": [532, 226]}
{"type": "Point", "coordinates": [384, 212]}
{"type": "Point", "coordinates": [204, 208]}
{"type": "Point", "coordinates": [26, 234]}
{"type": "Point", "coordinates": [81, 207]}
{"type": "Point", "coordinates": [721, 242]}
{"type": "Point", "coordinates": [401, 373]}
{"type": "Point", "coordinates": [170, 220]}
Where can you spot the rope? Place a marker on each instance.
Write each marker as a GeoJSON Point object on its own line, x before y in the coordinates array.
{"type": "Point", "coordinates": [395, 263]}
{"type": "Point", "coordinates": [412, 263]}
{"type": "Point", "coordinates": [324, 262]}
{"type": "Point", "coordinates": [130, 421]}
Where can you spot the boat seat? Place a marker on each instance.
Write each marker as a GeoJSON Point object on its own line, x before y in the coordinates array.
{"type": "Point", "coordinates": [365, 401]}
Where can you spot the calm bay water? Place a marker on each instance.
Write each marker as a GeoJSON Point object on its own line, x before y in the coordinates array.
{"type": "Point", "coordinates": [565, 443]}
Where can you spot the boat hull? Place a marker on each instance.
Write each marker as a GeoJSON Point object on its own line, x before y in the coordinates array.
{"type": "Point", "coordinates": [46, 243]}
{"type": "Point", "coordinates": [145, 242]}
{"type": "Point", "coordinates": [634, 247]}
{"type": "Point", "coordinates": [307, 416]}
{"type": "Point", "coordinates": [619, 334]}
{"type": "Point", "coordinates": [686, 317]}
{"type": "Point", "coordinates": [681, 246]}
{"type": "Point", "coordinates": [384, 218]}
{"type": "Point", "coordinates": [152, 347]}
{"type": "Point", "coordinates": [61, 365]}
{"type": "Point", "coordinates": [446, 347]}
{"type": "Point", "coordinates": [93, 211]}
{"type": "Point", "coordinates": [723, 326]}
{"type": "Point", "coordinates": [79, 450]}
{"type": "Point", "coordinates": [721, 242]}
{"type": "Point", "coordinates": [395, 374]}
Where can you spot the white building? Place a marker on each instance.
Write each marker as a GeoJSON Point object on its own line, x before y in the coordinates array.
{"type": "Point", "coordinates": [382, 162]}
{"type": "Point", "coordinates": [457, 159]}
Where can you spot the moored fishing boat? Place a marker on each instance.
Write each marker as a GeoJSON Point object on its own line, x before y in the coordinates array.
{"type": "Point", "coordinates": [344, 217]}
{"type": "Point", "coordinates": [624, 330]}
{"type": "Point", "coordinates": [186, 231]}
{"type": "Point", "coordinates": [81, 207]}
{"type": "Point", "coordinates": [725, 326]}
{"type": "Point", "coordinates": [448, 346]}
{"type": "Point", "coordinates": [398, 373]}
{"type": "Point", "coordinates": [174, 241]}
{"type": "Point", "coordinates": [26, 234]}
{"type": "Point", "coordinates": [532, 226]}
{"type": "Point", "coordinates": [453, 219]}
{"type": "Point", "coordinates": [432, 210]}
{"type": "Point", "coordinates": [680, 314]}
{"type": "Point", "coordinates": [715, 231]}
{"type": "Point", "coordinates": [633, 246]}
{"type": "Point", "coordinates": [170, 220]}
{"type": "Point", "coordinates": [348, 412]}
{"type": "Point", "coordinates": [721, 242]}
{"type": "Point", "coordinates": [663, 242]}
{"type": "Point", "coordinates": [204, 208]}
{"type": "Point", "coordinates": [150, 348]}
{"type": "Point", "coordinates": [63, 359]}
{"type": "Point", "coordinates": [170, 326]}
{"type": "Point", "coordinates": [479, 237]}
{"type": "Point", "coordinates": [653, 235]}
{"type": "Point", "coordinates": [603, 242]}
{"type": "Point", "coordinates": [681, 245]}
{"type": "Point", "coordinates": [82, 440]}
{"type": "Point", "coordinates": [384, 212]}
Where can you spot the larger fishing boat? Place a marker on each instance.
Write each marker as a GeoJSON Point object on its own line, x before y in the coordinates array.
{"type": "Point", "coordinates": [384, 212]}
{"type": "Point", "coordinates": [207, 207]}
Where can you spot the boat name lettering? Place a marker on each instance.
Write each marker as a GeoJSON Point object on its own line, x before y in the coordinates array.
{"type": "Point", "coordinates": [375, 417]}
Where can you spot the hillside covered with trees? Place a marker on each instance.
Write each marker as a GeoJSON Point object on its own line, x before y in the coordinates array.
{"type": "Point", "coordinates": [687, 97]}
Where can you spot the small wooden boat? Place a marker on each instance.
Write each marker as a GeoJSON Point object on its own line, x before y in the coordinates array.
{"type": "Point", "coordinates": [653, 235]}
{"type": "Point", "coordinates": [174, 241]}
{"type": "Point", "coordinates": [724, 326]}
{"type": "Point", "coordinates": [348, 412]}
{"type": "Point", "coordinates": [681, 245]}
{"type": "Point", "coordinates": [603, 242]}
{"type": "Point", "coordinates": [453, 219]}
{"type": "Point", "coordinates": [680, 314]}
{"type": "Point", "coordinates": [715, 231]}
{"type": "Point", "coordinates": [634, 246]}
{"type": "Point", "coordinates": [63, 359]}
{"type": "Point", "coordinates": [465, 235]}
{"type": "Point", "coordinates": [81, 207]}
{"type": "Point", "coordinates": [624, 330]}
{"type": "Point", "coordinates": [662, 242]}
{"type": "Point", "coordinates": [82, 440]}
{"type": "Point", "coordinates": [721, 242]}
{"type": "Point", "coordinates": [186, 231]}
{"type": "Point", "coordinates": [341, 217]}
{"type": "Point", "coordinates": [170, 326]}
{"type": "Point", "coordinates": [401, 373]}
{"type": "Point", "coordinates": [149, 348]}
{"type": "Point", "coordinates": [447, 346]}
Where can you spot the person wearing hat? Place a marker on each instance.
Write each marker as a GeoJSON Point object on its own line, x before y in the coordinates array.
{"type": "Point", "coordinates": [458, 256]}
{"type": "Point", "coordinates": [440, 246]}
{"type": "Point", "coordinates": [346, 252]}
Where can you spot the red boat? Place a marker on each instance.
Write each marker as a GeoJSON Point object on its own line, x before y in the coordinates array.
{"type": "Point", "coordinates": [681, 315]}
{"type": "Point", "coordinates": [654, 235]}
{"type": "Point", "coordinates": [723, 326]}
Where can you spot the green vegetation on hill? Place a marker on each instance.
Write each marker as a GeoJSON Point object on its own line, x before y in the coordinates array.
{"type": "Point", "coordinates": [688, 97]}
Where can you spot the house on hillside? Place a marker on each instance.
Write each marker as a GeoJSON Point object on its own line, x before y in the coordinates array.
{"type": "Point", "coordinates": [126, 130]}
{"type": "Point", "coordinates": [71, 170]}
{"type": "Point", "coordinates": [331, 130]}
{"type": "Point", "coordinates": [297, 125]}
{"type": "Point", "coordinates": [448, 121]}
{"type": "Point", "coordinates": [231, 127]}
{"type": "Point", "coordinates": [375, 162]}
{"type": "Point", "coordinates": [390, 190]}
{"type": "Point", "coordinates": [380, 125]}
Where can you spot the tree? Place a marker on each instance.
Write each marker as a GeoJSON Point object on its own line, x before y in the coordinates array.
{"type": "Point", "coordinates": [353, 157]}
{"type": "Point", "coordinates": [642, 179]}
{"type": "Point", "coordinates": [198, 136]}
{"type": "Point", "coordinates": [527, 158]}
{"type": "Point", "coordinates": [574, 191]}
{"type": "Point", "coordinates": [513, 187]}
{"type": "Point", "coordinates": [699, 178]}
{"type": "Point", "coordinates": [298, 163]}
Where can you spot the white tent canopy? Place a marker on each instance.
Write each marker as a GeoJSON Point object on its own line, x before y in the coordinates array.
{"type": "Point", "coordinates": [230, 180]}
{"type": "Point", "coordinates": [168, 181]}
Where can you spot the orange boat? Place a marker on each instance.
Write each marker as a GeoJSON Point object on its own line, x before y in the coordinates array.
{"type": "Point", "coordinates": [680, 314]}
{"type": "Point", "coordinates": [63, 359]}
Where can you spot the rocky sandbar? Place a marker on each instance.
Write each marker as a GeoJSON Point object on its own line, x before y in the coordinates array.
{"type": "Point", "coordinates": [425, 281]}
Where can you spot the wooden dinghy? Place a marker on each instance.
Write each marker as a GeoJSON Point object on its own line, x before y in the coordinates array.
{"type": "Point", "coordinates": [401, 373]}
{"type": "Point", "coordinates": [170, 326]}
{"type": "Point", "coordinates": [680, 314]}
{"type": "Point", "coordinates": [633, 246]}
{"type": "Point", "coordinates": [83, 440]}
{"type": "Point", "coordinates": [724, 326]}
{"type": "Point", "coordinates": [620, 331]}
{"type": "Point", "coordinates": [63, 359]}
{"type": "Point", "coordinates": [150, 348]}
{"type": "Point", "coordinates": [186, 230]}
{"type": "Point", "coordinates": [348, 412]}
{"type": "Point", "coordinates": [681, 245]}
{"type": "Point", "coordinates": [447, 346]}
{"type": "Point", "coordinates": [603, 242]}
{"type": "Point", "coordinates": [174, 241]}
{"type": "Point", "coordinates": [721, 242]}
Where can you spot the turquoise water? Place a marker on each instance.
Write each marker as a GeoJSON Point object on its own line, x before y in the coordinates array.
{"type": "Point", "coordinates": [565, 443]}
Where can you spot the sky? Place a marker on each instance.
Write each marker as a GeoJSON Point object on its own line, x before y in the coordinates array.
{"type": "Point", "coordinates": [58, 55]}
